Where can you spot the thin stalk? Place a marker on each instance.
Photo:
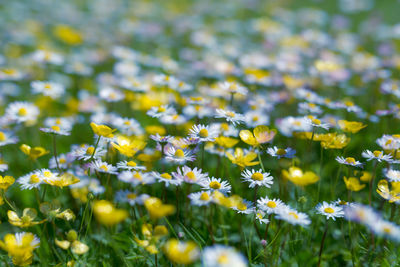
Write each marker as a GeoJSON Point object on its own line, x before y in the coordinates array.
{"type": "Point", "coordinates": [55, 152]}
{"type": "Point", "coordinates": [322, 244]}
{"type": "Point", "coordinates": [260, 160]}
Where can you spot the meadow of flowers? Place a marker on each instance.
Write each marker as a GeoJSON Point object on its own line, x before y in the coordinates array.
{"type": "Point", "coordinates": [199, 133]}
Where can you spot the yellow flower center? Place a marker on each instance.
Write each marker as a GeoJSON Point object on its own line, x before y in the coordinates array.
{"type": "Point", "coordinates": [166, 176]}
{"type": "Point", "coordinates": [388, 142]}
{"type": "Point", "coordinates": [350, 160]}
{"type": "Point", "coordinates": [161, 109]}
{"type": "Point", "coordinates": [387, 230]}
{"type": "Point", "coordinates": [191, 176]}
{"type": "Point", "coordinates": [58, 121]}
{"type": "Point", "coordinates": [90, 150]}
{"type": "Point", "coordinates": [47, 174]}
{"type": "Point", "coordinates": [47, 86]}
{"type": "Point", "coordinates": [329, 210]}
{"type": "Point", "coordinates": [179, 153]}
{"type": "Point", "coordinates": [104, 167]}
{"type": "Point", "coordinates": [257, 176]}
{"type": "Point", "coordinates": [127, 122]}
{"type": "Point", "coordinates": [281, 152]}
{"type": "Point", "coordinates": [223, 259]}
{"type": "Point", "coordinates": [131, 163]}
{"type": "Point", "coordinates": [230, 114]}
{"type": "Point", "coordinates": [215, 185]}
{"type": "Point", "coordinates": [224, 126]}
{"type": "Point", "coordinates": [294, 215]}
{"type": "Point", "coordinates": [203, 133]}
{"type": "Point", "coordinates": [316, 121]}
{"type": "Point", "coordinates": [55, 128]}
{"type": "Point", "coordinates": [377, 153]}
{"type": "Point", "coordinates": [242, 206]}
{"type": "Point", "coordinates": [2, 136]}
{"type": "Point", "coordinates": [62, 161]}
{"type": "Point", "coordinates": [137, 176]}
{"type": "Point", "coordinates": [131, 196]}
{"type": "Point", "coordinates": [22, 112]}
{"type": "Point", "coordinates": [204, 196]}
{"type": "Point", "coordinates": [271, 204]}
{"type": "Point", "coordinates": [34, 179]}
{"type": "Point", "coordinates": [9, 71]}
{"type": "Point", "coordinates": [255, 118]}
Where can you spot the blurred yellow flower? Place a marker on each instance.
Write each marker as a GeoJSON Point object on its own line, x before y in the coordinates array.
{"type": "Point", "coordinates": [351, 126]}
{"type": "Point", "coordinates": [181, 252]}
{"type": "Point", "coordinates": [353, 184]}
{"type": "Point", "coordinates": [157, 209]}
{"type": "Point", "coordinates": [384, 191]}
{"type": "Point", "coordinates": [107, 214]}
{"type": "Point", "coordinates": [298, 177]}
{"type": "Point", "coordinates": [226, 142]}
{"type": "Point", "coordinates": [20, 247]}
{"type": "Point", "coordinates": [67, 34]}
{"type": "Point", "coordinates": [261, 134]}
{"type": "Point", "coordinates": [333, 140]}
{"type": "Point", "coordinates": [61, 180]}
{"type": "Point", "coordinates": [6, 182]}
{"type": "Point", "coordinates": [33, 152]}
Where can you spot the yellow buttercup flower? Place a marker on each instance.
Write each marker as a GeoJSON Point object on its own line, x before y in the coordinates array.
{"type": "Point", "coordinates": [20, 247]}
{"type": "Point", "coordinates": [298, 177]}
{"type": "Point", "coordinates": [128, 146]}
{"type": "Point", "coordinates": [102, 130]}
{"type": "Point", "coordinates": [226, 142]}
{"type": "Point", "coordinates": [107, 214]}
{"type": "Point", "coordinates": [261, 135]}
{"type": "Point", "coordinates": [351, 126]}
{"type": "Point", "coordinates": [26, 220]}
{"type": "Point", "coordinates": [157, 209]}
{"type": "Point", "coordinates": [353, 184]}
{"type": "Point", "coordinates": [332, 140]}
{"type": "Point", "coordinates": [181, 252]}
{"type": "Point", "coordinates": [242, 160]}
{"type": "Point", "coordinates": [6, 182]}
{"type": "Point", "coordinates": [384, 191]}
{"type": "Point", "coordinates": [33, 152]}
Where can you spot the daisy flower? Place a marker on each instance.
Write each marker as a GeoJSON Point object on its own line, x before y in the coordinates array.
{"type": "Point", "coordinates": [331, 211]}
{"type": "Point", "coordinates": [189, 175]}
{"type": "Point", "coordinates": [7, 138]}
{"type": "Point", "coordinates": [378, 155]}
{"type": "Point", "coordinates": [47, 175]}
{"type": "Point", "coordinates": [222, 256]}
{"type": "Point", "coordinates": [233, 88]}
{"type": "Point", "coordinates": [130, 165]}
{"type": "Point", "coordinates": [393, 175]}
{"type": "Point", "coordinates": [175, 119]}
{"type": "Point", "coordinates": [293, 217]}
{"type": "Point", "coordinates": [126, 196]}
{"type": "Point", "coordinates": [161, 139]}
{"type": "Point", "coordinates": [179, 156]}
{"type": "Point", "coordinates": [104, 167]}
{"type": "Point", "coordinates": [158, 112]}
{"type": "Point", "coordinates": [44, 56]}
{"type": "Point", "coordinates": [230, 116]}
{"type": "Point", "coordinates": [257, 178]}
{"type": "Point", "coordinates": [270, 205]}
{"type": "Point", "coordinates": [312, 121]}
{"type": "Point", "coordinates": [260, 217]}
{"type": "Point", "coordinates": [203, 133]}
{"type": "Point", "coordinates": [22, 112]}
{"type": "Point", "coordinates": [253, 118]}
{"type": "Point", "coordinates": [281, 153]}
{"type": "Point", "coordinates": [216, 184]}
{"type": "Point", "coordinates": [136, 177]}
{"type": "Point", "coordinates": [30, 180]}
{"type": "Point", "coordinates": [244, 207]}
{"type": "Point", "coordinates": [110, 94]}
{"type": "Point", "coordinates": [200, 198]}
{"type": "Point", "coordinates": [51, 89]}
{"type": "Point", "coordinates": [386, 228]}
{"type": "Point", "coordinates": [349, 161]}
{"type": "Point", "coordinates": [64, 160]}
{"type": "Point", "coordinates": [56, 130]}
{"type": "Point", "coordinates": [166, 178]}
{"type": "Point", "coordinates": [85, 152]}
{"type": "Point", "coordinates": [388, 142]}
